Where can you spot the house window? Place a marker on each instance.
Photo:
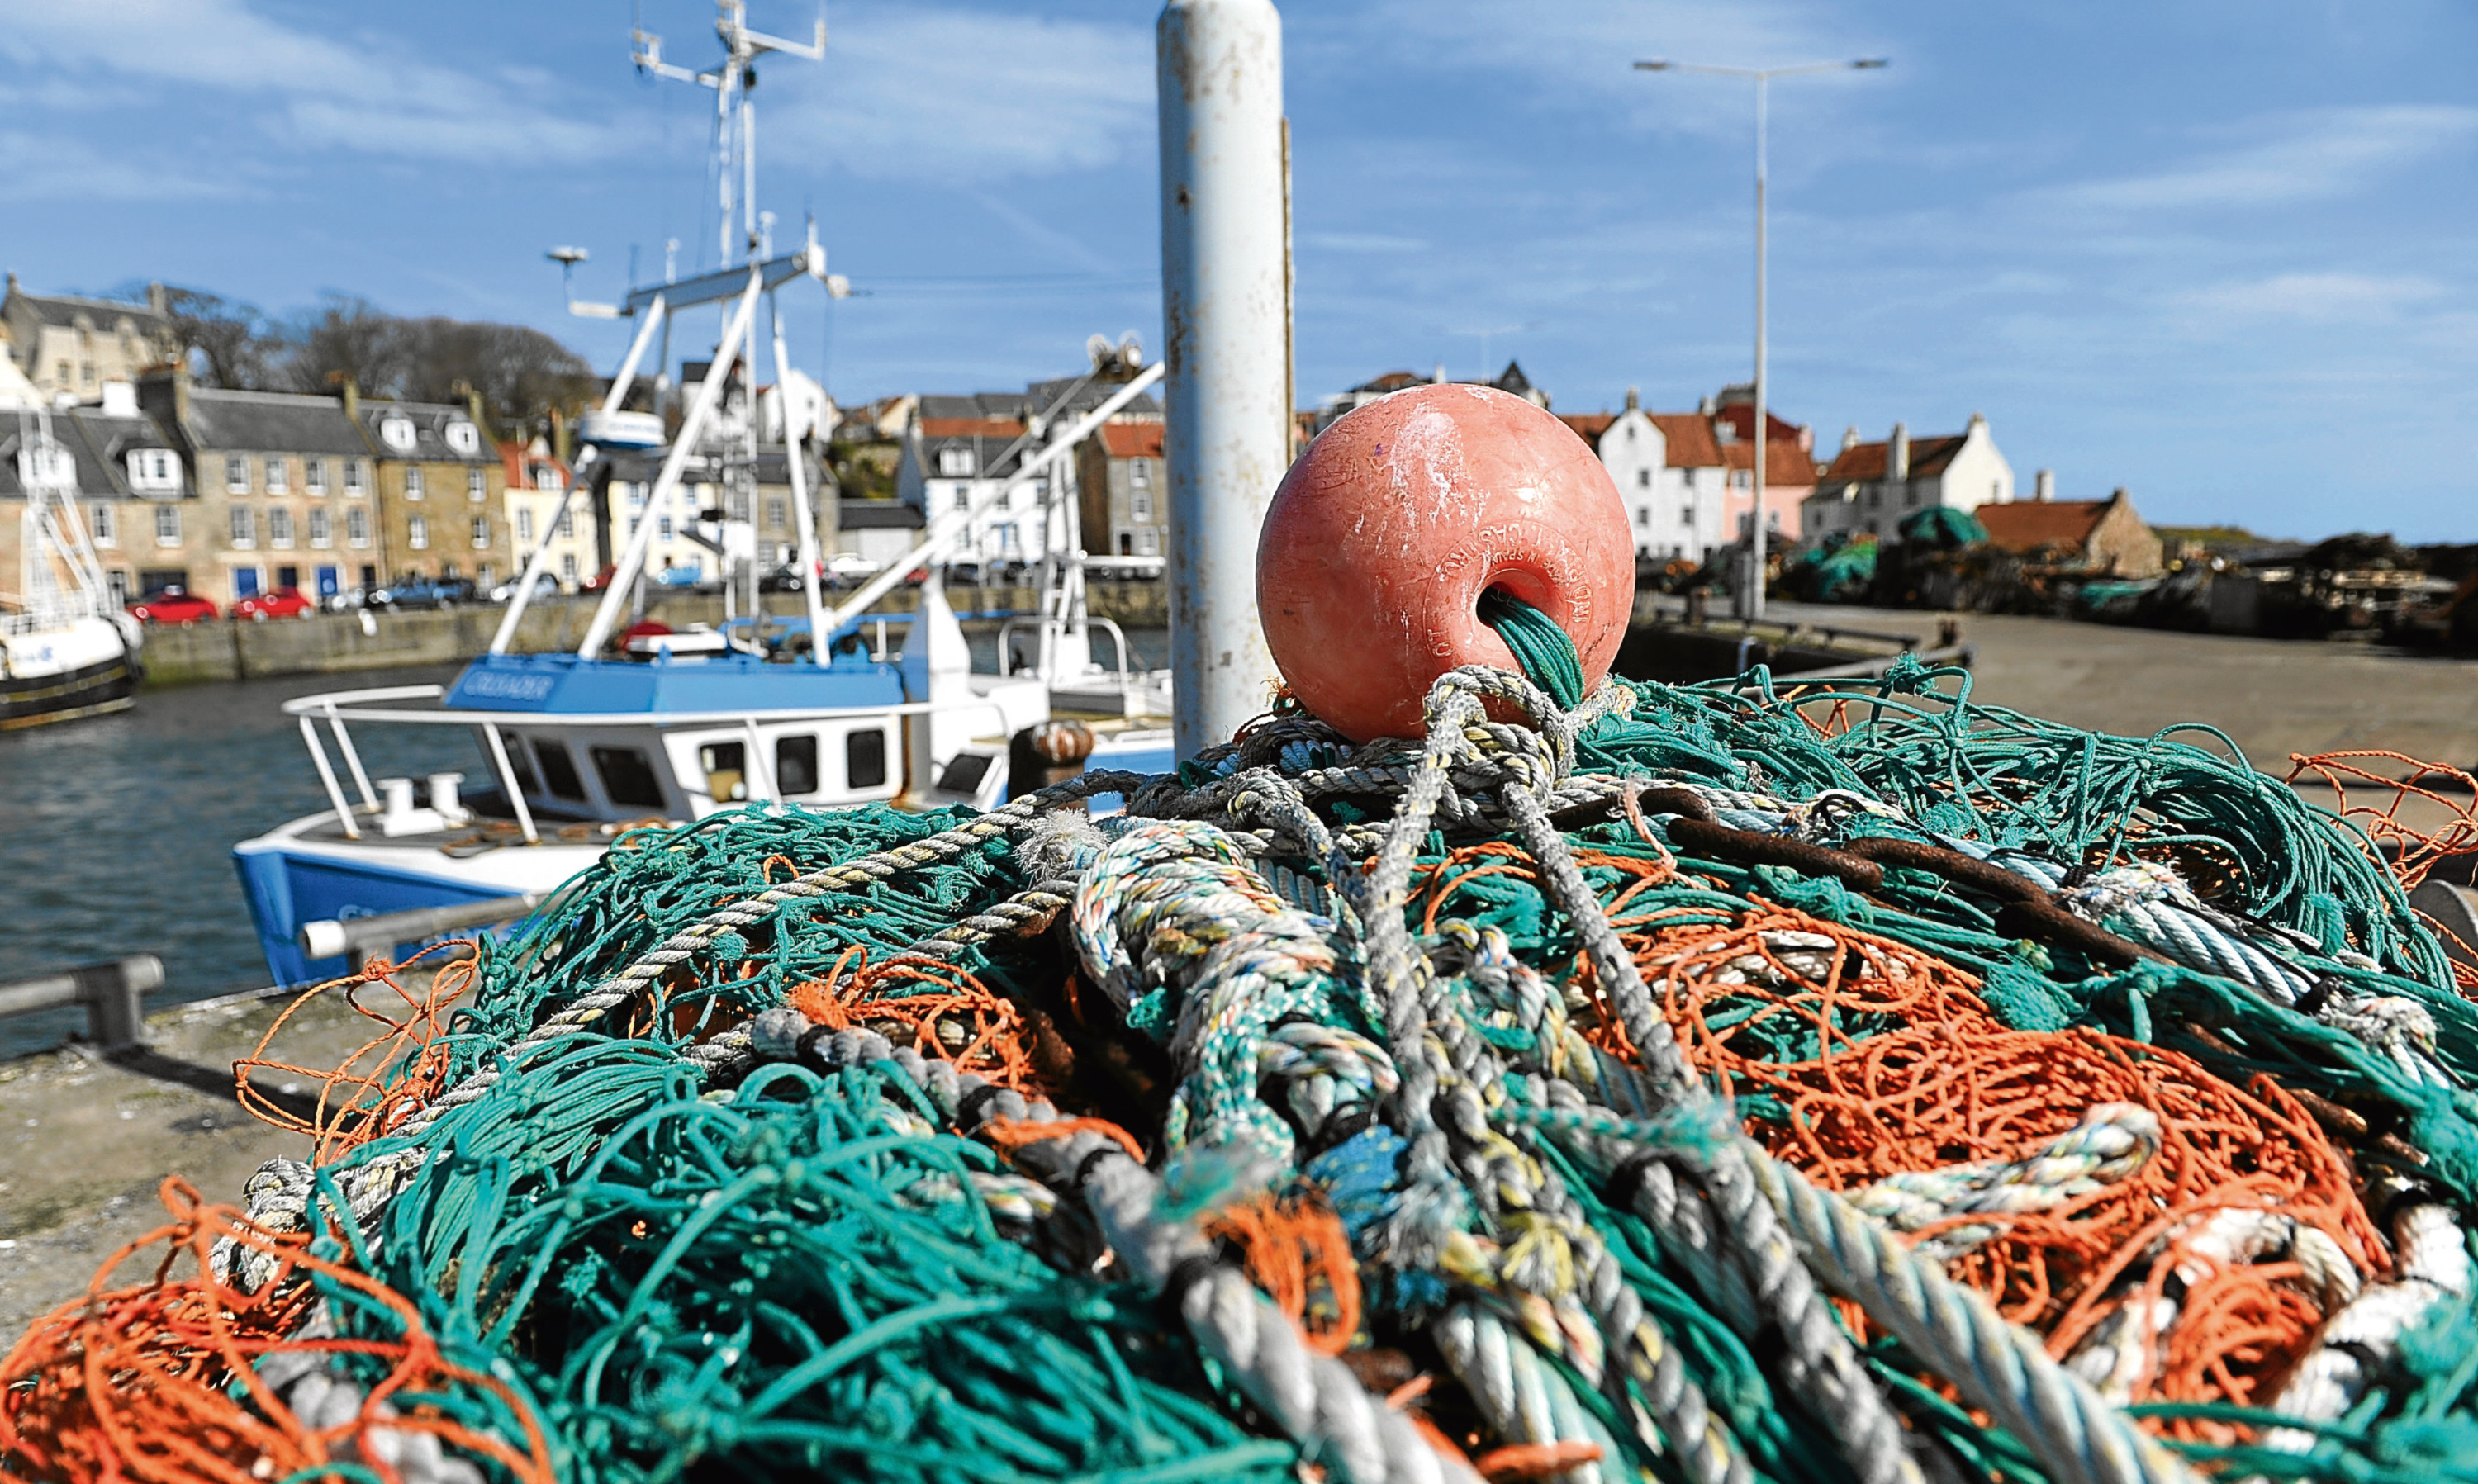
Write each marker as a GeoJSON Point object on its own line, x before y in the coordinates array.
{"type": "Point", "coordinates": [1643, 515]}
{"type": "Point", "coordinates": [1148, 542]}
{"type": "Point", "coordinates": [416, 533]}
{"type": "Point", "coordinates": [279, 528]}
{"type": "Point", "coordinates": [357, 528]}
{"type": "Point", "coordinates": [1140, 505]}
{"type": "Point", "coordinates": [462, 437]}
{"type": "Point", "coordinates": [1140, 473]}
{"type": "Point", "coordinates": [244, 526]}
{"type": "Point", "coordinates": [167, 525]}
{"type": "Point", "coordinates": [566, 522]}
{"type": "Point", "coordinates": [99, 522]}
{"type": "Point", "coordinates": [636, 497]}
{"type": "Point", "coordinates": [236, 475]}
{"type": "Point", "coordinates": [524, 525]}
{"type": "Point", "coordinates": [956, 461]}
{"type": "Point", "coordinates": [314, 476]}
{"type": "Point", "coordinates": [154, 469]}
{"type": "Point", "coordinates": [481, 533]}
{"type": "Point", "coordinates": [779, 513]}
{"type": "Point", "coordinates": [396, 433]}
{"type": "Point", "coordinates": [323, 531]}
{"type": "Point", "coordinates": [1643, 479]}
{"type": "Point", "coordinates": [353, 477]}
{"type": "Point", "coordinates": [413, 482]}
{"type": "Point", "coordinates": [279, 477]}
{"type": "Point", "coordinates": [474, 487]}
{"type": "Point", "coordinates": [663, 528]}
{"type": "Point", "coordinates": [1687, 517]}
{"type": "Point", "coordinates": [567, 567]}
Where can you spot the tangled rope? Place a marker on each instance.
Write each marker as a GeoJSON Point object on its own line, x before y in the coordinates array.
{"type": "Point", "coordinates": [1710, 1084]}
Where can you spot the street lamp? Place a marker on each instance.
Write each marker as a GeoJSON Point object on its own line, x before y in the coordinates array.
{"type": "Point", "coordinates": [1754, 607]}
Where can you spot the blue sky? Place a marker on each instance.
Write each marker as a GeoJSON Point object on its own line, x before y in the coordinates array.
{"type": "Point", "coordinates": [2224, 253]}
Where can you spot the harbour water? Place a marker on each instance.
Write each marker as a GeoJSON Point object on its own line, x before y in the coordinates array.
{"type": "Point", "coordinates": [117, 833]}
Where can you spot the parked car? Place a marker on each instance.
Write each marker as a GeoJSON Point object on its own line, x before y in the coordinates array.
{"type": "Point", "coordinates": [679, 576]}
{"type": "Point", "coordinates": [545, 585]}
{"type": "Point", "coordinates": [424, 592]}
{"type": "Point", "coordinates": [281, 603]}
{"type": "Point", "coordinates": [845, 569]}
{"type": "Point", "coordinates": [785, 579]}
{"type": "Point", "coordinates": [173, 605]}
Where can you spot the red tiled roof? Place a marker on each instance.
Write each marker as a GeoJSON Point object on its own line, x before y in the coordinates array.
{"type": "Point", "coordinates": [1861, 462]}
{"type": "Point", "coordinates": [1132, 440]}
{"type": "Point", "coordinates": [971, 427]}
{"type": "Point", "coordinates": [1741, 418]}
{"type": "Point", "coordinates": [1588, 426]}
{"type": "Point", "coordinates": [2025, 526]}
{"type": "Point", "coordinates": [1786, 466]}
{"type": "Point", "coordinates": [1689, 436]}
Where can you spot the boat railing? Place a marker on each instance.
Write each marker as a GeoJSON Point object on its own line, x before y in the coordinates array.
{"type": "Point", "coordinates": [337, 708]}
{"type": "Point", "coordinates": [1007, 630]}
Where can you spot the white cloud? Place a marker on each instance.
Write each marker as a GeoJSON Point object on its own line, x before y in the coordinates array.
{"type": "Point", "coordinates": [2312, 156]}
{"type": "Point", "coordinates": [966, 96]}
{"type": "Point", "coordinates": [35, 168]}
{"type": "Point", "coordinates": [319, 92]}
{"type": "Point", "coordinates": [1364, 241]}
{"type": "Point", "coordinates": [2327, 298]}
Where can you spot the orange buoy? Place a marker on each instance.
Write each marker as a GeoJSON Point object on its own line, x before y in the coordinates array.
{"type": "Point", "coordinates": [1385, 533]}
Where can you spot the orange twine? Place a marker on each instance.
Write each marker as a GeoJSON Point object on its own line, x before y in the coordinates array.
{"type": "Point", "coordinates": [957, 1019]}
{"type": "Point", "coordinates": [156, 1381]}
{"type": "Point", "coordinates": [385, 1079]}
{"type": "Point", "coordinates": [1297, 1250]}
{"type": "Point", "coordinates": [1911, 1071]}
{"type": "Point", "coordinates": [2420, 852]}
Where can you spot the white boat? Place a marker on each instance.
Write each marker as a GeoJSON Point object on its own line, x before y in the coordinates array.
{"type": "Point", "coordinates": [573, 749]}
{"type": "Point", "coordinates": [65, 651]}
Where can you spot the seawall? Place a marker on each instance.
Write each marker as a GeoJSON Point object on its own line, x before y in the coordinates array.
{"type": "Point", "coordinates": [329, 643]}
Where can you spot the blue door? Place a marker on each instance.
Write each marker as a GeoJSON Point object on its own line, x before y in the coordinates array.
{"type": "Point", "coordinates": [244, 581]}
{"type": "Point", "coordinates": [328, 586]}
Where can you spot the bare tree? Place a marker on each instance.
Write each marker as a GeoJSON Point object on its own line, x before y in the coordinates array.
{"type": "Point", "coordinates": [346, 336]}
{"type": "Point", "coordinates": [237, 346]}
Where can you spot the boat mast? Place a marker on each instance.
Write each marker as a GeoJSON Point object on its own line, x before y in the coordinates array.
{"type": "Point", "coordinates": [733, 288]}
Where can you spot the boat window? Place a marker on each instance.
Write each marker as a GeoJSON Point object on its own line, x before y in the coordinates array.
{"type": "Point", "coordinates": [726, 765]}
{"type": "Point", "coordinates": [559, 769]}
{"type": "Point", "coordinates": [518, 763]}
{"type": "Point", "coordinates": [865, 759]}
{"type": "Point", "coordinates": [627, 778]}
{"type": "Point", "coordinates": [964, 773]}
{"type": "Point", "coordinates": [795, 765]}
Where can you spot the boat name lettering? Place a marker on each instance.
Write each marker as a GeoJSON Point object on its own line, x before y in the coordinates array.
{"type": "Point", "coordinates": [512, 687]}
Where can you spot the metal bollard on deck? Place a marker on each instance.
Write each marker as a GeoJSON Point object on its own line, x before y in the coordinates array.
{"type": "Point", "coordinates": [114, 992]}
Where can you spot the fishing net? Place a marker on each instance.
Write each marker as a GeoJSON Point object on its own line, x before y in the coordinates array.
{"type": "Point", "coordinates": [1711, 1082]}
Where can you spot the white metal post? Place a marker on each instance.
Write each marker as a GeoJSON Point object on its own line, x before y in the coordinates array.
{"type": "Point", "coordinates": [1755, 604]}
{"type": "Point", "coordinates": [803, 521]}
{"type": "Point", "coordinates": [1226, 339]}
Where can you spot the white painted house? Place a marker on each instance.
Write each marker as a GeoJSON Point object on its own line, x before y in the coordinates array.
{"type": "Point", "coordinates": [1870, 488]}
{"type": "Point", "coordinates": [1669, 470]}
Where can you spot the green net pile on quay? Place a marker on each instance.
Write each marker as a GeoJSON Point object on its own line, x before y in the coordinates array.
{"type": "Point", "coordinates": [1703, 1084]}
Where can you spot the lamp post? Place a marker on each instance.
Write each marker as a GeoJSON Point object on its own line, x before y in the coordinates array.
{"type": "Point", "coordinates": [1761, 77]}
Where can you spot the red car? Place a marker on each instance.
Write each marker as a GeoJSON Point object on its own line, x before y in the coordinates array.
{"type": "Point", "coordinates": [173, 605]}
{"type": "Point", "coordinates": [282, 603]}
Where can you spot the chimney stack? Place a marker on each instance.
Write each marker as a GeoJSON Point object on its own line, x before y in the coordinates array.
{"type": "Point", "coordinates": [2043, 486]}
{"type": "Point", "coordinates": [1897, 456]}
{"type": "Point", "coordinates": [1849, 438]}
{"type": "Point", "coordinates": [1635, 400]}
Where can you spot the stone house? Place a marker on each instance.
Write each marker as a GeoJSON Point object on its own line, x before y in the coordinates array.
{"type": "Point", "coordinates": [679, 544]}
{"type": "Point", "coordinates": [1869, 489]}
{"type": "Point", "coordinates": [535, 484]}
{"type": "Point", "coordinates": [149, 523]}
{"type": "Point", "coordinates": [955, 447]}
{"type": "Point", "coordinates": [2099, 537]}
{"type": "Point", "coordinates": [440, 489]}
{"type": "Point", "coordinates": [286, 486]}
{"type": "Point", "coordinates": [1123, 496]}
{"type": "Point", "coordinates": [68, 347]}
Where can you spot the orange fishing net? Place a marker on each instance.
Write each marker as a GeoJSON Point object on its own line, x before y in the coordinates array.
{"type": "Point", "coordinates": [383, 1081]}
{"type": "Point", "coordinates": [2418, 846]}
{"type": "Point", "coordinates": [156, 1381]}
{"type": "Point", "coordinates": [952, 1014]}
{"type": "Point", "coordinates": [1857, 1058]}
{"type": "Point", "coordinates": [1296, 1250]}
